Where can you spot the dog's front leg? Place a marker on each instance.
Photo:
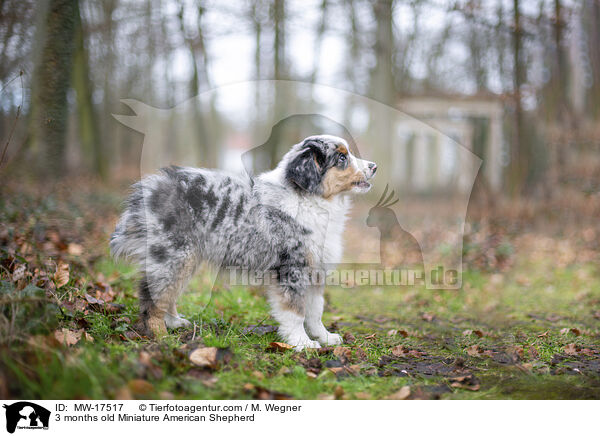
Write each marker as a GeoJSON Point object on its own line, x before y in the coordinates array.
{"type": "Point", "coordinates": [288, 310]}
{"type": "Point", "coordinates": [314, 303]}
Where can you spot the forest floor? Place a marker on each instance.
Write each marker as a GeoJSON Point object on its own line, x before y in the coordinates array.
{"type": "Point", "coordinates": [525, 325]}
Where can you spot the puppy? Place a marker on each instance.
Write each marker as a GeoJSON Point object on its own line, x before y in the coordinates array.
{"type": "Point", "coordinates": [285, 221]}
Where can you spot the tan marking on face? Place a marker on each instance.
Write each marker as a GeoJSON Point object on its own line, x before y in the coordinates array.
{"type": "Point", "coordinates": [336, 180]}
{"type": "Point", "coordinates": [342, 149]}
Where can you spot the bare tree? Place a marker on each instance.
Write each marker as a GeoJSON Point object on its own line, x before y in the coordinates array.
{"type": "Point", "coordinates": [89, 133]}
{"type": "Point", "coordinates": [52, 81]}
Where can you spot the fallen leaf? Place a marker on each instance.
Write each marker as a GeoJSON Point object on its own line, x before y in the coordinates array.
{"type": "Point", "coordinates": [533, 352]}
{"type": "Point", "coordinates": [75, 249]}
{"type": "Point", "coordinates": [402, 394]}
{"type": "Point", "coordinates": [342, 353]}
{"type": "Point", "coordinates": [371, 336]}
{"type": "Point", "coordinates": [261, 393]}
{"type": "Point", "coordinates": [427, 317]}
{"type": "Point", "coordinates": [570, 349]}
{"type": "Point", "coordinates": [525, 367]}
{"type": "Point", "coordinates": [123, 393]}
{"type": "Point", "coordinates": [210, 357]}
{"type": "Point", "coordinates": [140, 387]}
{"type": "Point", "coordinates": [473, 350]}
{"type": "Point", "coordinates": [399, 350]}
{"type": "Point", "coordinates": [338, 392]}
{"type": "Point", "coordinates": [516, 351]}
{"type": "Point", "coordinates": [360, 354]}
{"type": "Point", "coordinates": [543, 335]}
{"type": "Point", "coordinates": [279, 346]}
{"type": "Point", "coordinates": [18, 273]}
{"type": "Point", "coordinates": [67, 337]}
{"type": "Point", "coordinates": [61, 276]}
{"type": "Point", "coordinates": [394, 332]}
{"type": "Point", "coordinates": [469, 332]}
{"type": "Point", "coordinates": [349, 338]}
{"type": "Point", "coordinates": [469, 382]}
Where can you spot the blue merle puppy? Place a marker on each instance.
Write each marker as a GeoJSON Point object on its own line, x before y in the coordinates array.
{"type": "Point", "coordinates": [284, 221]}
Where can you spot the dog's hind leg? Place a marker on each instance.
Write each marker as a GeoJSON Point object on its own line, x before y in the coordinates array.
{"type": "Point", "coordinates": [159, 293]}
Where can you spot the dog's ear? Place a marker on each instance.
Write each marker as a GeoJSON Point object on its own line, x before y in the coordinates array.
{"type": "Point", "coordinates": [304, 170]}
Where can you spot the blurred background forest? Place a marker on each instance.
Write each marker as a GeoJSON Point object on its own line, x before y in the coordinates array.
{"type": "Point", "coordinates": [428, 89]}
{"type": "Point", "coordinates": [520, 78]}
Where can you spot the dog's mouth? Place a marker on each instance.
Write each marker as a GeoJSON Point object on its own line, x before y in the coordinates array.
{"type": "Point", "coordinates": [362, 184]}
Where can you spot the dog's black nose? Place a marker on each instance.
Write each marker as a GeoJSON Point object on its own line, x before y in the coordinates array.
{"type": "Point", "coordinates": [373, 167]}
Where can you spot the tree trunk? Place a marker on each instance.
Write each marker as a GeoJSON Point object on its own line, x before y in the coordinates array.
{"type": "Point", "coordinates": [51, 83]}
{"type": "Point", "coordinates": [518, 159]}
{"type": "Point", "coordinates": [279, 70]}
{"type": "Point", "coordinates": [89, 133]}
{"type": "Point", "coordinates": [383, 87]}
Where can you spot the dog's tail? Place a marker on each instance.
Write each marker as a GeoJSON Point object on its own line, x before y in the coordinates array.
{"type": "Point", "coordinates": [129, 239]}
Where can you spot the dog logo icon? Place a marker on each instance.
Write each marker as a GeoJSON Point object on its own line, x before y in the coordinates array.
{"type": "Point", "coordinates": [26, 415]}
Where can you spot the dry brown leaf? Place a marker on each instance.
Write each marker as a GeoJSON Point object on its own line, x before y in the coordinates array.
{"type": "Point", "coordinates": [123, 393]}
{"type": "Point", "coordinates": [279, 346]}
{"type": "Point", "coordinates": [394, 332]}
{"type": "Point", "coordinates": [75, 249]}
{"type": "Point", "coordinates": [468, 382]}
{"type": "Point", "coordinates": [515, 350]}
{"type": "Point", "coordinates": [400, 350]}
{"type": "Point", "coordinates": [473, 350]}
{"type": "Point", "coordinates": [68, 337]}
{"type": "Point", "coordinates": [533, 352]}
{"type": "Point", "coordinates": [477, 333]}
{"type": "Point", "coordinates": [543, 335]}
{"type": "Point", "coordinates": [567, 330]}
{"type": "Point", "coordinates": [360, 354]}
{"type": "Point", "coordinates": [18, 273]}
{"type": "Point", "coordinates": [342, 353]}
{"type": "Point", "coordinates": [402, 394]}
{"type": "Point", "coordinates": [570, 349]}
{"type": "Point", "coordinates": [61, 276]}
{"type": "Point", "coordinates": [140, 387]}
{"type": "Point", "coordinates": [205, 357]}
{"type": "Point", "coordinates": [371, 336]}
{"type": "Point", "coordinates": [338, 392]}
{"type": "Point", "coordinates": [427, 317]}
{"type": "Point", "coordinates": [349, 338]}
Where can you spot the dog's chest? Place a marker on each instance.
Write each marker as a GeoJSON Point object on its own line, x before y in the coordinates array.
{"type": "Point", "coordinates": [326, 220]}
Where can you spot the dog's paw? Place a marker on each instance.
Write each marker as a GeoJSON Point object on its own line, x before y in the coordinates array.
{"type": "Point", "coordinates": [175, 322]}
{"type": "Point", "coordinates": [305, 343]}
{"type": "Point", "coordinates": [331, 339]}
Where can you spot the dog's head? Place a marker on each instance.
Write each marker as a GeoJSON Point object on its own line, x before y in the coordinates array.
{"type": "Point", "coordinates": [323, 165]}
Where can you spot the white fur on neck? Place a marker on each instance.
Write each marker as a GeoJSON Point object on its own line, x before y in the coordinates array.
{"type": "Point", "coordinates": [325, 218]}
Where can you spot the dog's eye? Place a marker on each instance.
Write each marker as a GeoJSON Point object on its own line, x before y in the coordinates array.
{"type": "Point", "coordinates": [342, 159]}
